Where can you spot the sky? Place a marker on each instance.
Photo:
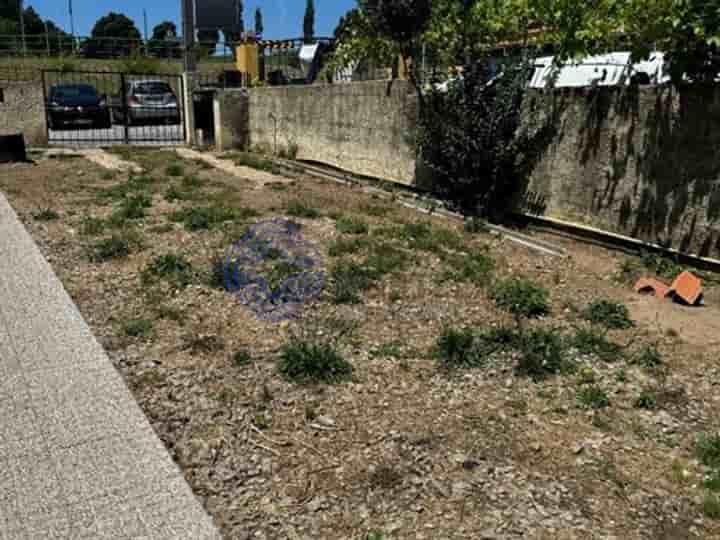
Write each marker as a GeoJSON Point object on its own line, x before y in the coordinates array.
{"type": "Point", "coordinates": [281, 18]}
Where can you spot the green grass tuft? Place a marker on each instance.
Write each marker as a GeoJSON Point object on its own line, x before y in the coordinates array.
{"type": "Point", "coordinates": [208, 217]}
{"type": "Point", "coordinates": [612, 315]}
{"type": "Point", "coordinates": [299, 209]}
{"type": "Point", "coordinates": [592, 341]}
{"type": "Point", "coordinates": [520, 296]}
{"type": "Point", "coordinates": [350, 225]}
{"type": "Point", "coordinates": [175, 169]}
{"type": "Point", "coordinates": [138, 328]}
{"type": "Point", "coordinates": [47, 214]}
{"type": "Point", "coordinates": [542, 354]}
{"type": "Point", "coordinates": [172, 268]}
{"type": "Point", "coordinates": [475, 267]}
{"type": "Point", "coordinates": [309, 362]}
{"type": "Point", "coordinates": [707, 449]}
{"type": "Point", "coordinates": [593, 397]}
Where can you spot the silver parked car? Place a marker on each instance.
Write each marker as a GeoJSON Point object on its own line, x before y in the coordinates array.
{"type": "Point", "coordinates": [147, 101]}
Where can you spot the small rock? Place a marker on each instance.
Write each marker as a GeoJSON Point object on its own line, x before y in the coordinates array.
{"type": "Point", "coordinates": [325, 421]}
{"type": "Point", "coordinates": [578, 448]}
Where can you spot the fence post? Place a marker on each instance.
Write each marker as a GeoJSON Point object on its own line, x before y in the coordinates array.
{"type": "Point", "coordinates": [125, 109]}
{"type": "Point", "coordinates": [218, 120]}
{"type": "Point", "coordinates": [188, 87]}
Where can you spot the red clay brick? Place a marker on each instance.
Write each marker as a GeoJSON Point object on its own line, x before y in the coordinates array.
{"type": "Point", "coordinates": [650, 285]}
{"type": "Point", "coordinates": [688, 287]}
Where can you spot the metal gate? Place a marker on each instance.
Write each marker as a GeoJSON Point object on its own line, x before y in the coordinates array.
{"type": "Point", "coordinates": [93, 108]}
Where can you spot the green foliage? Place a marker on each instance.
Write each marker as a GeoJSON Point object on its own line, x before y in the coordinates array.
{"type": "Point", "coordinates": [310, 362]}
{"type": "Point", "coordinates": [207, 217]}
{"type": "Point", "coordinates": [425, 237]}
{"type": "Point", "coordinates": [216, 277]}
{"type": "Point", "coordinates": [309, 21]}
{"type": "Point", "coordinates": [592, 341]}
{"type": "Point", "coordinates": [613, 315]}
{"type": "Point", "coordinates": [118, 245]}
{"type": "Point", "coordinates": [345, 246]}
{"type": "Point", "coordinates": [664, 267]}
{"type": "Point", "coordinates": [466, 348]}
{"type": "Point", "coordinates": [254, 161]}
{"type": "Point", "coordinates": [711, 506]}
{"type": "Point", "coordinates": [707, 449]}
{"type": "Point", "coordinates": [593, 397]}
{"type": "Point", "coordinates": [712, 481]}
{"type": "Point", "coordinates": [170, 313]}
{"type": "Point", "coordinates": [520, 296]}
{"type": "Point", "coordinates": [300, 209]}
{"type": "Point", "coordinates": [475, 267]}
{"type": "Point", "coordinates": [172, 268]}
{"type": "Point", "coordinates": [349, 225]}
{"type": "Point", "coordinates": [648, 357]}
{"type": "Point", "coordinates": [242, 358]}
{"type": "Point", "coordinates": [385, 259]}
{"type": "Point", "coordinates": [175, 169]}
{"type": "Point", "coordinates": [92, 226]}
{"type": "Point", "coordinates": [138, 328]}
{"type": "Point", "coordinates": [646, 400]}
{"type": "Point", "coordinates": [347, 281]}
{"type": "Point", "coordinates": [46, 214]}
{"type": "Point", "coordinates": [132, 208]}
{"type": "Point", "coordinates": [542, 354]}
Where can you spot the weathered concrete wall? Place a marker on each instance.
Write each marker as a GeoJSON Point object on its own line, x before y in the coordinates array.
{"type": "Point", "coordinates": [232, 130]}
{"type": "Point", "coordinates": [365, 127]}
{"type": "Point", "coordinates": [22, 110]}
{"type": "Point", "coordinates": [642, 162]}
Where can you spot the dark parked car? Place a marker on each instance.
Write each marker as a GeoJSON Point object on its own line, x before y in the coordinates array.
{"type": "Point", "coordinates": [148, 101]}
{"type": "Point", "coordinates": [77, 105]}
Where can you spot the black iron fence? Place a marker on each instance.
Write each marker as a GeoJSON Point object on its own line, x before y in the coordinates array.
{"type": "Point", "coordinates": [99, 108]}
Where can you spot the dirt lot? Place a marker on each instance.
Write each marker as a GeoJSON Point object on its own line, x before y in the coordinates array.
{"type": "Point", "coordinates": [404, 448]}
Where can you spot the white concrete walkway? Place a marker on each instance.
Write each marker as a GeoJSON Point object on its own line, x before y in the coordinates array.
{"type": "Point", "coordinates": [78, 459]}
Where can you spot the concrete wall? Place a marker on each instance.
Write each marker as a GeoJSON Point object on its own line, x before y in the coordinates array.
{"type": "Point", "coordinates": [363, 127]}
{"type": "Point", "coordinates": [643, 162]}
{"type": "Point", "coordinates": [22, 110]}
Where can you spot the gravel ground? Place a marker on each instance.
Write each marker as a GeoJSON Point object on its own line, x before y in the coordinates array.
{"type": "Point", "coordinates": [404, 449]}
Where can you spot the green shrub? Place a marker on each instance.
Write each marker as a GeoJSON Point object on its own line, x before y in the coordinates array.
{"type": "Point", "coordinates": [349, 225]}
{"type": "Point", "coordinates": [648, 357]}
{"type": "Point", "coordinates": [174, 193]}
{"type": "Point", "coordinates": [132, 208]}
{"type": "Point", "coordinates": [592, 341]}
{"type": "Point", "coordinates": [300, 209]}
{"type": "Point", "coordinates": [172, 268]}
{"type": "Point", "coordinates": [474, 267]}
{"type": "Point", "coordinates": [191, 182]}
{"type": "Point", "coordinates": [47, 214]}
{"type": "Point", "coordinates": [712, 481]}
{"type": "Point", "coordinates": [542, 354]}
{"type": "Point", "coordinates": [138, 328]}
{"type": "Point", "coordinates": [664, 267]}
{"type": "Point", "coordinates": [593, 397]}
{"type": "Point", "coordinates": [425, 237]}
{"type": "Point", "coordinates": [347, 281]}
{"type": "Point", "coordinates": [646, 400]}
{"type": "Point", "coordinates": [520, 296]}
{"type": "Point", "coordinates": [114, 247]}
{"type": "Point", "coordinates": [385, 259]}
{"type": "Point", "coordinates": [711, 506]}
{"type": "Point", "coordinates": [308, 362]}
{"type": "Point", "coordinates": [242, 358]}
{"type": "Point", "coordinates": [465, 348]}
{"type": "Point", "coordinates": [610, 314]}
{"type": "Point", "coordinates": [175, 169]}
{"type": "Point", "coordinates": [347, 246]}
{"type": "Point", "coordinates": [707, 449]}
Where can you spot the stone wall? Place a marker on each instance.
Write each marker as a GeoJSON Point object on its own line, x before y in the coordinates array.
{"type": "Point", "coordinates": [363, 127]}
{"type": "Point", "coordinates": [22, 110]}
{"type": "Point", "coordinates": [642, 162]}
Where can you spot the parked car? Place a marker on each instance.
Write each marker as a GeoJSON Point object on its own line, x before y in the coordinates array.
{"type": "Point", "coordinates": [151, 101]}
{"type": "Point", "coordinates": [77, 105]}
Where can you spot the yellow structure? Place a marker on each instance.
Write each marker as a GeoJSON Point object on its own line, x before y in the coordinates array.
{"type": "Point", "coordinates": [247, 60]}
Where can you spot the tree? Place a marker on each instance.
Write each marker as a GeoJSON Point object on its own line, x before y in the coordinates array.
{"type": "Point", "coordinates": [208, 39]}
{"type": "Point", "coordinates": [113, 35]}
{"type": "Point", "coordinates": [164, 41]}
{"type": "Point", "coordinates": [309, 22]}
{"type": "Point", "coordinates": [258, 22]}
{"type": "Point", "coordinates": [240, 16]}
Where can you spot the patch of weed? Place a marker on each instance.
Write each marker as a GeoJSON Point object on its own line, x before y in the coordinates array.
{"type": "Point", "coordinates": [476, 226]}
{"type": "Point", "coordinates": [348, 280]}
{"type": "Point", "coordinates": [299, 209]}
{"type": "Point", "coordinates": [161, 229]}
{"type": "Point", "coordinates": [246, 159]}
{"type": "Point", "coordinates": [711, 506]}
{"type": "Point", "coordinates": [350, 225]}
{"type": "Point", "coordinates": [172, 268]}
{"type": "Point", "coordinates": [613, 315]}
{"type": "Point", "coordinates": [92, 226]}
{"type": "Point", "coordinates": [375, 210]}
{"type": "Point", "coordinates": [175, 169]}
{"type": "Point", "coordinates": [425, 237]}
{"type": "Point", "coordinates": [242, 358]}
{"type": "Point", "coordinates": [466, 348]}
{"type": "Point", "coordinates": [116, 246]}
{"type": "Point", "coordinates": [347, 246]}
{"type": "Point", "coordinates": [170, 313]}
{"type": "Point", "coordinates": [310, 362]}
{"type": "Point", "coordinates": [46, 214]}
{"type": "Point", "coordinates": [542, 354]}
{"type": "Point", "coordinates": [587, 376]}
{"type": "Point", "coordinates": [593, 397]}
{"type": "Point", "coordinates": [175, 193]}
{"type": "Point", "coordinates": [475, 267]}
{"type": "Point", "coordinates": [262, 421]}
{"type": "Point", "coordinates": [137, 328]}
{"type": "Point", "coordinates": [191, 182]}
{"type": "Point", "coordinates": [204, 343]}
{"type": "Point", "coordinates": [131, 208]}
{"type": "Point", "coordinates": [520, 296]}
{"type": "Point", "coordinates": [592, 341]}
{"type": "Point", "coordinates": [277, 186]}
{"type": "Point", "coordinates": [385, 259]}
{"type": "Point", "coordinates": [646, 400]}
{"type": "Point", "coordinates": [712, 481]}
{"type": "Point", "coordinates": [208, 217]}
{"type": "Point", "coordinates": [707, 449]}
{"type": "Point", "coordinates": [664, 267]}
{"type": "Point", "coordinates": [216, 276]}
{"type": "Point", "coordinates": [648, 357]}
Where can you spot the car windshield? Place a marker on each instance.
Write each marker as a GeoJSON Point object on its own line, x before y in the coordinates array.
{"type": "Point", "coordinates": [74, 91]}
{"type": "Point", "coordinates": [153, 88]}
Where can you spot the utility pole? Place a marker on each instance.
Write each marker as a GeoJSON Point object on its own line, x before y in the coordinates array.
{"type": "Point", "coordinates": [146, 31]}
{"type": "Point", "coordinates": [72, 24]}
{"type": "Point", "coordinates": [22, 27]}
{"type": "Point", "coordinates": [188, 30]}
{"type": "Point", "coordinates": [47, 38]}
